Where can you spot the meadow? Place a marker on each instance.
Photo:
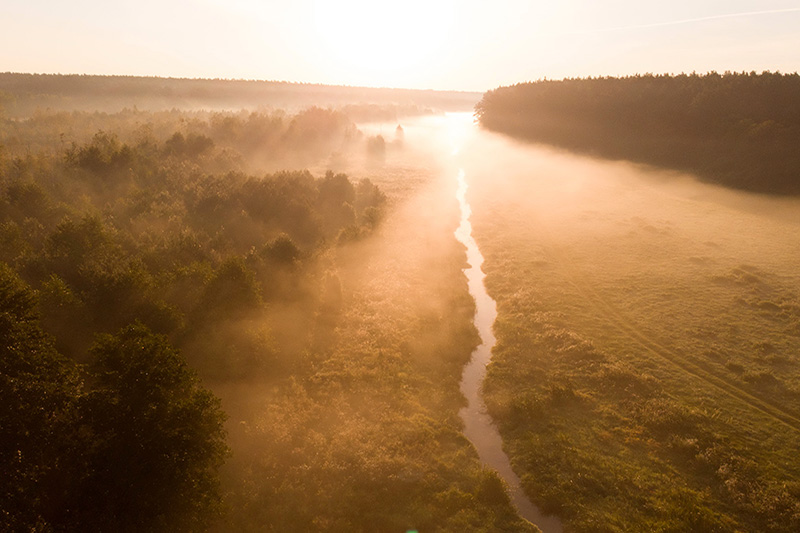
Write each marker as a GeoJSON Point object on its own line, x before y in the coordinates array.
{"type": "Point", "coordinates": [646, 371]}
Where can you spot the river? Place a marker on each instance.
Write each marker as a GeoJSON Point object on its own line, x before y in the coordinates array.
{"type": "Point", "coordinates": [478, 425]}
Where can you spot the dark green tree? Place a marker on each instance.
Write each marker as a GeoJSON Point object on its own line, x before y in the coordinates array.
{"type": "Point", "coordinates": [159, 439]}
{"type": "Point", "coordinates": [39, 391]}
{"type": "Point", "coordinates": [133, 445]}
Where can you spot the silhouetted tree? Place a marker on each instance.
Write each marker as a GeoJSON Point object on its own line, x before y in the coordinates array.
{"type": "Point", "coordinates": [39, 395]}
{"type": "Point", "coordinates": [133, 446]}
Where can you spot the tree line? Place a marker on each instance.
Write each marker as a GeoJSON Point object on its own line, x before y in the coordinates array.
{"type": "Point", "coordinates": [740, 130]}
{"type": "Point", "coordinates": [21, 94]}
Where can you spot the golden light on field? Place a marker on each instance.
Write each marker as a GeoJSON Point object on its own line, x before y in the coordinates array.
{"type": "Point", "coordinates": [375, 42]}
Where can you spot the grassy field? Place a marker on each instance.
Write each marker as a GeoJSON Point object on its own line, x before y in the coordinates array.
{"type": "Point", "coordinates": [646, 373]}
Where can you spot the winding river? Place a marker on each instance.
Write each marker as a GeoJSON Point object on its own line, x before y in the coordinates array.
{"type": "Point", "coordinates": [478, 425]}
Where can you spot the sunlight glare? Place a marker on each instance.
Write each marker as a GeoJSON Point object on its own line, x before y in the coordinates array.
{"type": "Point", "coordinates": [457, 127]}
{"type": "Point", "coordinates": [383, 37]}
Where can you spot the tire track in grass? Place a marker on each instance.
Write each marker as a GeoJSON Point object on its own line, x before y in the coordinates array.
{"type": "Point", "coordinates": [627, 327]}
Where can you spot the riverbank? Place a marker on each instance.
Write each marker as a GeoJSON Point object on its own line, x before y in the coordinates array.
{"type": "Point", "coordinates": [479, 427]}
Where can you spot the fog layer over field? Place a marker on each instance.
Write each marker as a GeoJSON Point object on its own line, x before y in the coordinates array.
{"type": "Point", "coordinates": [331, 319]}
{"type": "Point", "coordinates": [645, 375]}
{"type": "Point", "coordinates": [652, 240]}
{"type": "Point", "coordinates": [648, 338]}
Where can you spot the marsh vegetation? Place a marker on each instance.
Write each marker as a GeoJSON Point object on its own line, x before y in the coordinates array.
{"type": "Point", "coordinates": [196, 339]}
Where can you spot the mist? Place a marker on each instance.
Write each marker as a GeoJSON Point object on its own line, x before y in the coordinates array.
{"type": "Point", "coordinates": [387, 317]}
{"type": "Point", "coordinates": [278, 266]}
{"type": "Point", "coordinates": [639, 309]}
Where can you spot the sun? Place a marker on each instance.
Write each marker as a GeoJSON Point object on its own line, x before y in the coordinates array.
{"type": "Point", "coordinates": [373, 38]}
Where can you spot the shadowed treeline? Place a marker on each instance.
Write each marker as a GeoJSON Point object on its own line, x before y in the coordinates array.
{"type": "Point", "coordinates": [738, 130]}
{"type": "Point", "coordinates": [127, 269]}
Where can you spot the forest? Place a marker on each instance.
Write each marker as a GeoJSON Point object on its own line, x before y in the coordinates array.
{"type": "Point", "coordinates": [22, 94]}
{"type": "Point", "coordinates": [193, 337]}
{"type": "Point", "coordinates": [740, 130]}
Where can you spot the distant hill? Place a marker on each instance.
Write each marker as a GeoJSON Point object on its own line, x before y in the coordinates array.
{"type": "Point", "coordinates": [23, 94]}
{"type": "Point", "coordinates": [741, 130]}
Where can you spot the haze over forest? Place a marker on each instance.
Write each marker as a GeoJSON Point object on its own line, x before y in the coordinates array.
{"type": "Point", "coordinates": [429, 266]}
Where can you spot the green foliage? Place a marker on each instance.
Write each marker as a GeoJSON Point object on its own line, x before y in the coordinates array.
{"type": "Point", "coordinates": [376, 148]}
{"type": "Point", "coordinates": [137, 448]}
{"type": "Point", "coordinates": [75, 245]}
{"type": "Point", "coordinates": [38, 394]}
{"type": "Point", "coordinates": [282, 250]}
{"type": "Point", "coordinates": [231, 291]}
{"type": "Point", "coordinates": [30, 199]}
{"type": "Point", "coordinates": [738, 130]}
{"type": "Point", "coordinates": [122, 224]}
{"type": "Point", "coordinates": [157, 237]}
{"type": "Point", "coordinates": [105, 154]}
{"type": "Point", "coordinates": [159, 437]}
{"type": "Point", "coordinates": [16, 299]}
{"type": "Point", "coordinates": [191, 145]}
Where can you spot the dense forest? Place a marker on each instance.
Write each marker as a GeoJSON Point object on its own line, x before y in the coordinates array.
{"type": "Point", "coordinates": [740, 130]}
{"type": "Point", "coordinates": [22, 94]}
{"type": "Point", "coordinates": [189, 338]}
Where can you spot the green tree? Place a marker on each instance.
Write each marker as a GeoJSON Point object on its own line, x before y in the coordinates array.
{"type": "Point", "coordinates": [159, 438]}
{"type": "Point", "coordinates": [139, 450]}
{"type": "Point", "coordinates": [232, 292]}
{"type": "Point", "coordinates": [39, 390]}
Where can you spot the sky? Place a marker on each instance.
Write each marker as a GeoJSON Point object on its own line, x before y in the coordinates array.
{"type": "Point", "coordinates": [437, 44]}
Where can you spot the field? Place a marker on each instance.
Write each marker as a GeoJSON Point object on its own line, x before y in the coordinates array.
{"type": "Point", "coordinates": [646, 372]}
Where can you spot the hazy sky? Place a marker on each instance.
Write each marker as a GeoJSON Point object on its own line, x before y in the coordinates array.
{"type": "Point", "coordinates": [441, 44]}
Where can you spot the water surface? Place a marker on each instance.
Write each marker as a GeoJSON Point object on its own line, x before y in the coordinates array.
{"type": "Point", "coordinates": [478, 425]}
